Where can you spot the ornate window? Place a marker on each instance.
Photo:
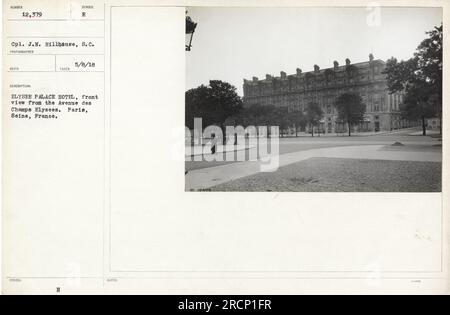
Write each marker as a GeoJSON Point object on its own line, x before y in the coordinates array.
{"type": "Point", "coordinates": [377, 103]}
{"type": "Point", "coordinates": [309, 78]}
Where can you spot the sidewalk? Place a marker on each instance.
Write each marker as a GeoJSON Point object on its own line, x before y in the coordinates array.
{"type": "Point", "coordinates": [355, 133]}
{"type": "Point", "coordinates": [197, 150]}
{"type": "Point", "coordinates": [429, 133]}
{"type": "Point", "coordinates": [208, 177]}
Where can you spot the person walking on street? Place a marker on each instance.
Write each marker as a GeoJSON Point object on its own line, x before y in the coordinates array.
{"type": "Point", "coordinates": [213, 144]}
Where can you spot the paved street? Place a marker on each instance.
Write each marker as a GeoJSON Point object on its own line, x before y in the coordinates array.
{"type": "Point", "coordinates": [204, 175]}
{"type": "Point", "coordinates": [306, 142]}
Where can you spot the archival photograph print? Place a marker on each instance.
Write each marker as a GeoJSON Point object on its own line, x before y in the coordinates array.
{"type": "Point", "coordinates": [313, 99]}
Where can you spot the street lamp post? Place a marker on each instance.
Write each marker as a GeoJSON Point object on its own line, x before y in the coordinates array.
{"type": "Point", "coordinates": [190, 29]}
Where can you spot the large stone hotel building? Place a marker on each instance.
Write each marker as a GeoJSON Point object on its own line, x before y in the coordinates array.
{"type": "Point", "coordinates": [323, 86]}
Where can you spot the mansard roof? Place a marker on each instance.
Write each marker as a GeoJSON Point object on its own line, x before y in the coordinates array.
{"type": "Point", "coordinates": [338, 69]}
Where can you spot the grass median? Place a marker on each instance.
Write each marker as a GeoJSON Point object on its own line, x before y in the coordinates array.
{"type": "Point", "coordinates": [344, 175]}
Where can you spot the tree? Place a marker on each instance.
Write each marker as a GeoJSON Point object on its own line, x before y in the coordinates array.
{"type": "Point", "coordinates": [313, 114]}
{"type": "Point", "coordinates": [255, 115]}
{"type": "Point", "coordinates": [429, 56]}
{"type": "Point", "coordinates": [350, 109]}
{"type": "Point", "coordinates": [267, 115]}
{"type": "Point", "coordinates": [417, 104]}
{"type": "Point", "coordinates": [213, 103]}
{"type": "Point", "coordinates": [299, 120]}
{"type": "Point", "coordinates": [281, 118]}
{"type": "Point", "coordinates": [420, 77]}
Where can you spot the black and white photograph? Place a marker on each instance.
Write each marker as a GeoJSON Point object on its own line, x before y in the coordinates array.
{"type": "Point", "coordinates": [314, 99]}
{"type": "Point", "coordinates": [225, 153]}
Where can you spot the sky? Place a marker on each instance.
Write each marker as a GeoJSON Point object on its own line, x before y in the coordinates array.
{"type": "Point", "coordinates": [231, 44]}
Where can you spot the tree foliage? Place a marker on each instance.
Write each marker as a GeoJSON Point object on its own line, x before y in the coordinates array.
{"type": "Point", "coordinates": [420, 77]}
{"type": "Point", "coordinates": [213, 103]}
{"type": "Point", "coordinates": [298, 119]}
{"type": "Point", "coordinates": [267, 115]}
{"type": "Point", "coordinates": [350, 109]}
{"type": "Point", "coordinates": [313, 115]}
{"type": "Point", "coordinates": [254, 115]}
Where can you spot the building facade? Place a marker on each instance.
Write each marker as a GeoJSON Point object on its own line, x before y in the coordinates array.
{"type": "Point", "coordinates": [434, 123]}
{"type": "Point", "coordinates": [323, 86]}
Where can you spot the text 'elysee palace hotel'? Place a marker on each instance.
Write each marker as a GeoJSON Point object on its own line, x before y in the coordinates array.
{"type": "Point", "coordinates": [324, 86]}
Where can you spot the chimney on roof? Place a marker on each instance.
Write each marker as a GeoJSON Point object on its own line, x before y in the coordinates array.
{"type": "Point", "coordinates": [283, 74]}
{"type": "Point", "coordinates": [299, 71]}
{"type": "Point", "coordinates": [316, 68]}
{"type": "Point", "coordinates": [255, 79]}
{"type": "Point", "coordinates": [371, 57]}
{"type": "Point", "coordinates": [347, 62]}
{"type": "Point", "coordinates": [336, 65]}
